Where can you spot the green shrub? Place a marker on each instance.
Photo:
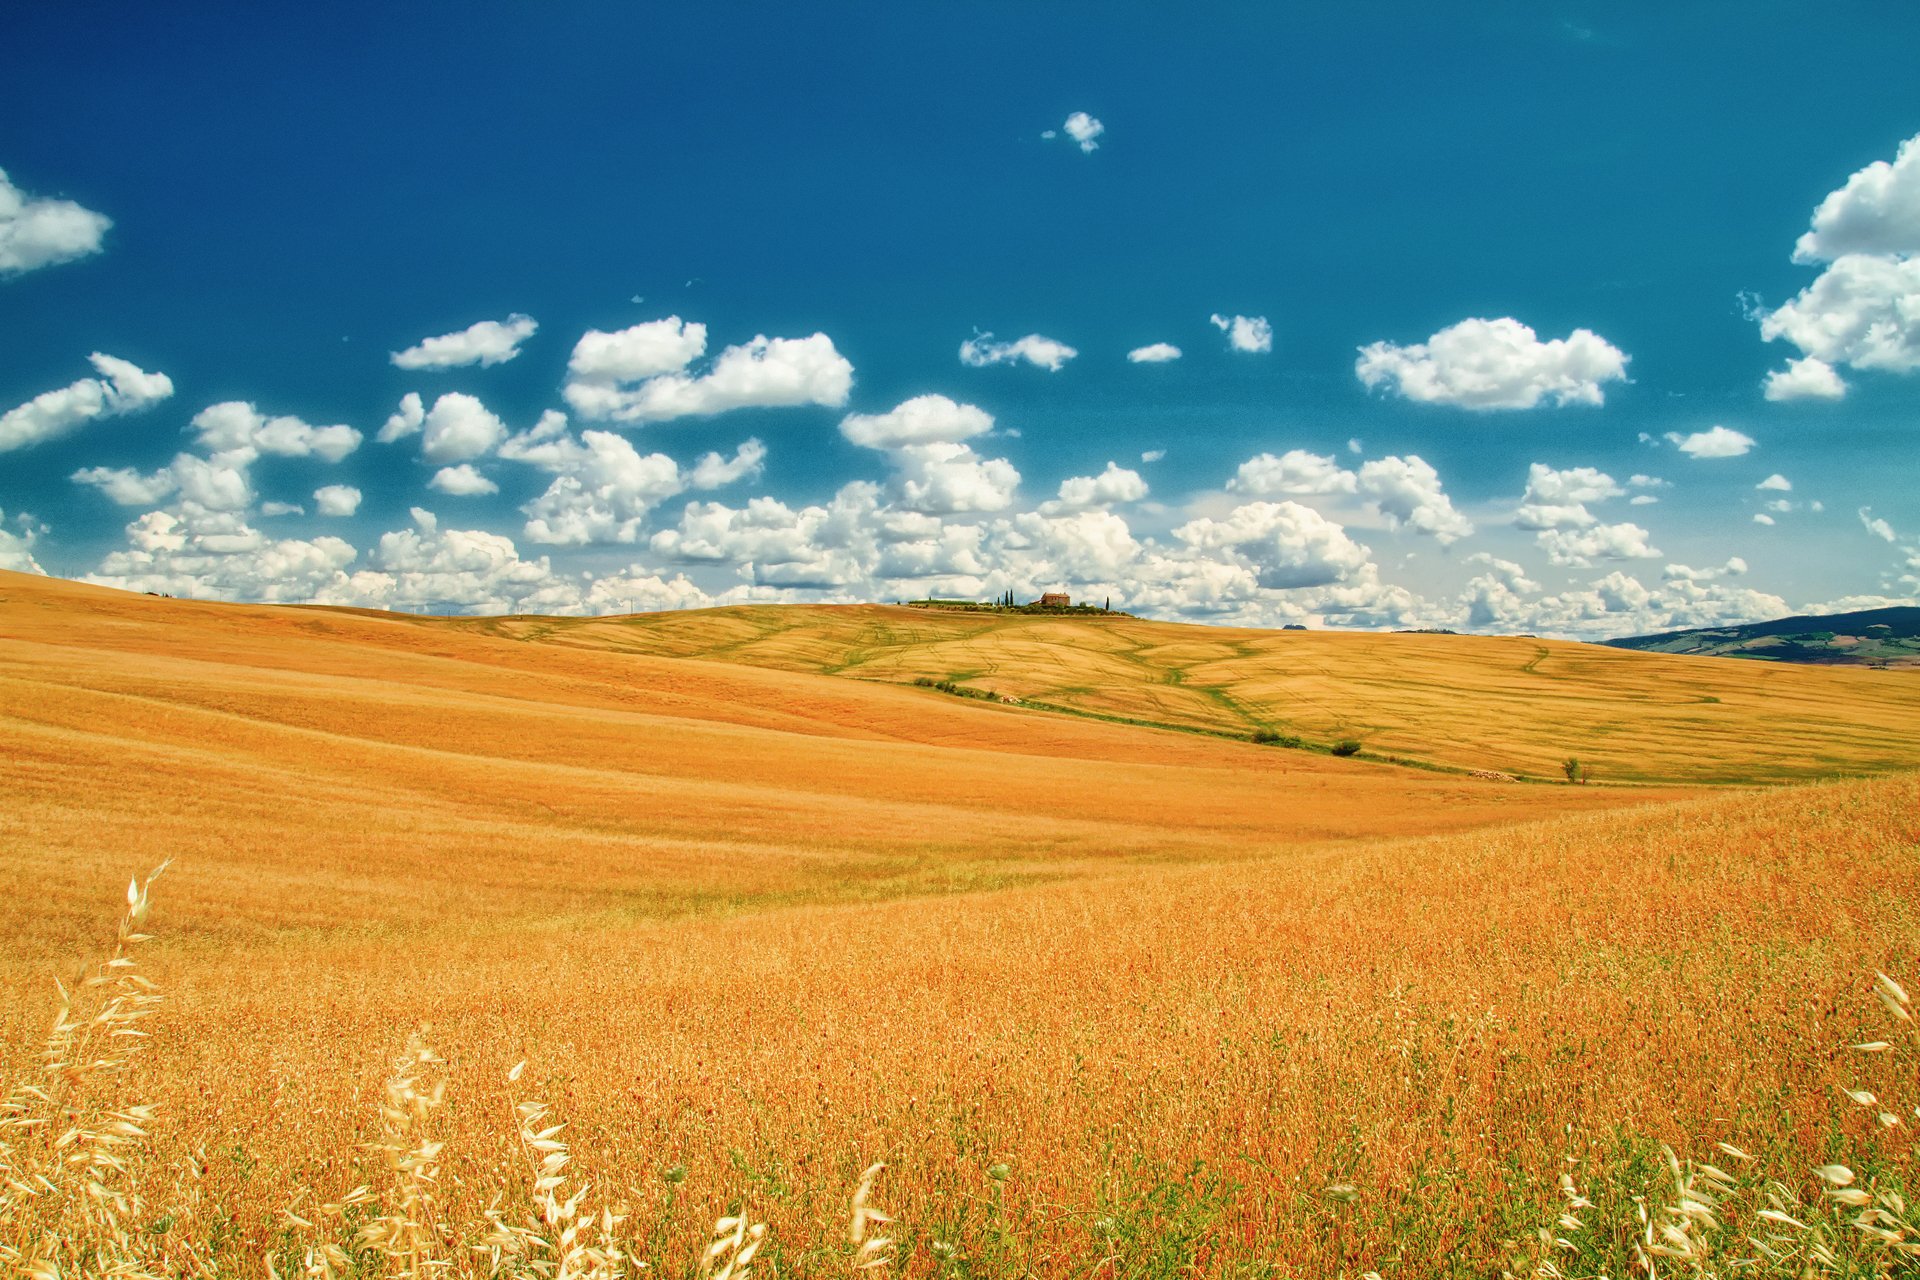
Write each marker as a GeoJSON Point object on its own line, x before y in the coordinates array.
{"type": "Point", "coordinates": [1345, 747]}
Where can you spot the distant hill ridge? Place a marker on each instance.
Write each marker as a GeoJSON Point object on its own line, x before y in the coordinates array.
{"type": "Point", "coordinates": [1866, 638]}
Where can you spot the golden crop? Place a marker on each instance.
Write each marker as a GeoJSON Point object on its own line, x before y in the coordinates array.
{"type": "Point", "coordinates": [1106, 1001]}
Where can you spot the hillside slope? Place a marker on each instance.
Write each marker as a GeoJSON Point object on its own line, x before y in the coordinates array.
{"type": "Point", "coordinates": [1512, 704]}
{"type": "Point", "coordinates": [327, 770]}
{"type": "Point", "coordinates": [1867, 638]}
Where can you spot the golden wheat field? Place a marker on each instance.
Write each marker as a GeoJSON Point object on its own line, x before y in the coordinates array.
{"type": "Point", "coordinates": [1513, 704]}
{"type": "Point", "coordinates": [1105, 999]}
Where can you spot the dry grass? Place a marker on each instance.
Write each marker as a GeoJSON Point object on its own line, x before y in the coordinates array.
{"type": "Point", "coordinates": [1181, 1006]}
{"type": "Point", "coordinates": [1513, 704]}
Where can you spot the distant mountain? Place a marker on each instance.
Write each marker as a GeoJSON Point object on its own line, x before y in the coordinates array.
{"type": "Point", "coordinates": [1869, 638]}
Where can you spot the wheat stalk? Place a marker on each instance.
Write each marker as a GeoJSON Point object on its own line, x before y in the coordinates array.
{"type": "Point", "coordinates": [66, 1206]}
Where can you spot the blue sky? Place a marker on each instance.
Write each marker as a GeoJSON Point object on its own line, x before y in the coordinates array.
{"type": "Point", "coordinates": [1489, 264]}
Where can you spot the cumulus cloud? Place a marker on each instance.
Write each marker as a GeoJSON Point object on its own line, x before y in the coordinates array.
{"type": "Point", "coordinates": [404, 421]}
{"type": "Point", "coordinates": [488, 343]}
{"type": "Point", "coordinates": [16, 544]}
{"type": "Point", "coordinates": [636, 353]}
{"type": "Point", "coordinates": [1251, 334]}
{"type": "Point", "coordinates": [1733, 568]}
{"type": "Point", "coordinates": [941, 478]}
{"type": "Point", "coordinates": [1495, 364]}
{"type": "Point", "coordinates": [1805, 379]}
{"type": "Point", "coordinates": [1715, 442]}
{"type": "Point", "coordinates": [1116, 484]}
{"type": "Point", "coordinates": [462, 481]}
{"type": "Point", "coordinates": [1875, 525]}
{"type": "Point", "coordinates": [921, 420]}
{"type": "Point", "coordinates": [1496, 598]}
{"type": "Point", "coordinates": [602, 489]}
{"type": "Point", "coordinates": [716, 471]}
{"type": "Point", "coordinates": [39, 232]}
{"type": "Point", "coordinates": [1558, 499]}
{"type": "Point", "coordinates": [337, 500]}
{"type": "Point", "coordinates": [640, 374]}
{"type": "Point", "coordinates": [1153, 455]}
{"type": "Point", "coordinates": [1287, 545]}
{"type": "Point", "coordinates": [459, 428]}
{"type": "Point", "coordinates": [1776, 481]}
{"type": "Point", "coordinates": [427, 567]}
{"type": "Point", "coordinates": [1407, 492]}
{"type": "Point", "coordinates": [1154, 353]}
{"type": "Point", "coordinates": [1084, 130]}
{"type": "Point", "coordinates": [1863, 310]}
{"type": "Point", "coordinates": [121, 388]}
{"type": "Point", "coordinates": [826, 546]}
{"type": "Point", "coordinates": [1876, 212]}
{"type": "Point", "coordinates": [237, 427]}
{"type": "Point", "coordinates": [128, 487]}
{"type": "Point", "coordinates": [1294, 472]}
{"type": "Point", "coordinates": [1581, 547]}
{"type": "Point", "coordinates": [205, 554]}
{"type": "Point", "coordinates": [1046, 353]}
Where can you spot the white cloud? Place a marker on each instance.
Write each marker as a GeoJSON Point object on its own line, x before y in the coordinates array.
{"type": "Point", "coordinates": [459, 428]}
{"type": "Point", "coordinates": [1862, 311]}
{"type": "Point", "coordinates": [1558, 499]}
{"type": "Point", "coordinates": [921, 420]}
{"type": "Point", "coordinates": [121, 388]}
{"type": "Point", "coordinates": [1496, 599]}
{"type": "Point", "coordinates": [462, 481]}
{"type": "Point", "coordinates": [1154, 353]}
{"type": "Point", "coordinates": [715, 471]}
{"type": "Point", "coordinates": [1114, 485]}
{"type": "Point", "coordinates": [427, 567]}
{"type": "Point", "coordinates": [1875, 525]}
{"type": "Point", "coordinates": [603, 488]}
{"type": "Point", "coordinates": [1876, 212]}
{"type": "Point", "coordinates": [1045, 353]}
{"type": "Point", "coordinates": [1776, 481]}
{"type": "Point", "coordinates": [1495, 364]}
{"type": "Point", "coordinates": [1083, 129]}
{"type": "Point", "coordinates": [1597, 542]}
{"type": "Point", "coordinates": [218, 484]}
{"type": "Point", "coordinates": [638, 374]}
{"type": "Point", "coordinates": [1715, 442]}
{"type": "Point", "coordinates": [1153, 455]}
{"type": "Point", "coordinates": [1293, 472]}
{"type": "Point", "coordinates": [1407, 491]}
{"type": "Point", "coordinates": [1806, 379]}
{"type": "Point", "coordinates": [1286, 545]}
{"type": "Point", "coordinates": [637, 353]}
{"type": "Point", "coordinates": [128, 487]}
{"type": "Point", "coordinates": [1760, 517]}
{"type": "Point", "coordinates": [405, 421]}
{"type": "Point", "coordinates": [282, 509]}
{"type": "Point", "coordinates": [39, 232]}
{"type": "Point", "coordinates": [236, 427]}
{"type": "Point", "coordinates": [1733, 568]}
{"type": "Point", "coordinates": [206, 554]}
{"type": "Point", "coordinates": [16, 549]}
{"type": "Point", "coordinates": [941, 478]}
{"type": "Point", "coordinates": [337, 500]}
{"type": "Point", "coordinates": [1245, 333]}
{"type": "Point", "coordinates": [488, 343]}
{"type": "Point", "coordinates": [815, 547]}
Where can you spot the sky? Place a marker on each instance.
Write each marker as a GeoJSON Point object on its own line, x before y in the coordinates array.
{"type": "Point", "coordinates": [1507, 317]}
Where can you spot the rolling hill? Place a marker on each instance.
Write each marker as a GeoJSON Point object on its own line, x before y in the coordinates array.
{"type": "Point", "coordinates": [1091, 990]}
{"type": "Point", "coordinates": [1508, 704]}
{"type": "Point", "coordinates": [1868, 638]}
